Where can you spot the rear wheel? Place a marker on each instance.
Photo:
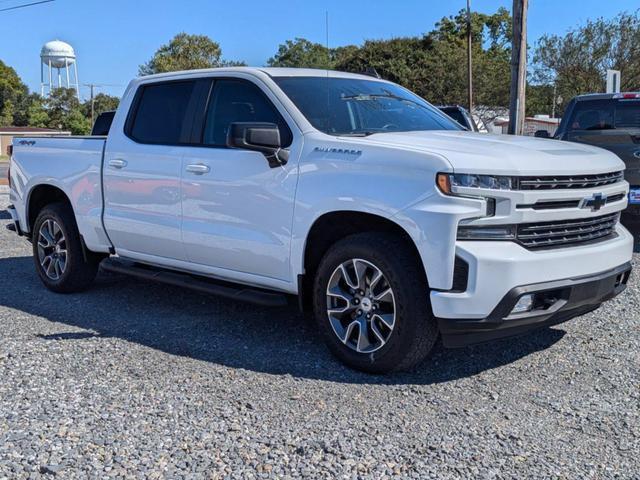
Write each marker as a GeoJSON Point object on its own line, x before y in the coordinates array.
{"type": "Point", "coordinates": [371, 303]}
{"type": "Point", "coordinates": [58, 253]}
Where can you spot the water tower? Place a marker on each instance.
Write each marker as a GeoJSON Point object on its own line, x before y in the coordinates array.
{"type": "Point", "coordinates": [61, 57]}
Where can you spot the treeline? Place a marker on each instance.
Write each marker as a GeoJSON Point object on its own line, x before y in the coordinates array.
{"type": "Point", "coordinates": [433, 65]}
{"type": "Point", "coordinates": [61, 110]}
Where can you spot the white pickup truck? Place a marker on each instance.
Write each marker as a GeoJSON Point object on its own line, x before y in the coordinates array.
{"type": "Point", "coordinates": [387, 219]}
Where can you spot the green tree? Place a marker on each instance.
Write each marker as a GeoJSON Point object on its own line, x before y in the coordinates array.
{"type": "Point", "coordinates": [186, 52]}
{"type": "Point", "coordinates": [435, 65]}
{"type": "Point", "coordinates": [65, 112]}
{"type": "Point", "coordinates": [401, 60]}
{"type": "Point", "coordinates": [30, 111]}
{"type": "Point", "coordinates": [577, 62]}
{"type": "Point", "coordinates": [36, 113]}
{"type": "Point", "coordinates": [6, 114]}
{"type": "Point", "coordinates": [302, 53]}
{"type": "Point", "coordinates": [101, 103]}
{"type": "Point", "coordinates": [12, 92]}
{"type": "Point", "coordinates": [539, 99]}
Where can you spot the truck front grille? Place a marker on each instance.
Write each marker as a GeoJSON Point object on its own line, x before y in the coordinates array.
{"type": "Point", "coordinates": [567, 232]}
{"type": "Point", "coordinates": [568, 182]}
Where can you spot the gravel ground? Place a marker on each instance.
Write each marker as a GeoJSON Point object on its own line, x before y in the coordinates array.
{"type": "Point", "coordinates": [138, 380]}
{"type": "Point", "coordinates": [4, 167]}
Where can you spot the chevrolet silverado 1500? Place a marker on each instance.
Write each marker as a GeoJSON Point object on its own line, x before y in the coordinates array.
{"type": "Point", "coordinates": [391, 223]}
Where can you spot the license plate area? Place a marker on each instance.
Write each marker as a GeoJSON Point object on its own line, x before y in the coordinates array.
{"type": "Point", "coordinates": [634, 196]}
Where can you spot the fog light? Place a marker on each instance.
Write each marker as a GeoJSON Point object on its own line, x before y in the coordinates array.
{"type": "Point", "coordinates": [525, 304]}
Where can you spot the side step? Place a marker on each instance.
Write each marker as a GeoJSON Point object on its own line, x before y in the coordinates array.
{"type": "Point", "coordinates": [197, 283]}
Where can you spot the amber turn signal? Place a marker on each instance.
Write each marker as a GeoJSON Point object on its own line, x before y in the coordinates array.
{"type": "Point", "coordinates": [444, 183]}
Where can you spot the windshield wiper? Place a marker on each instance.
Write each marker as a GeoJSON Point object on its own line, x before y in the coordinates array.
{"type": "Point", "coordinates": [372, 96]}
{"type": "Point", "coordinates": [356, 134]}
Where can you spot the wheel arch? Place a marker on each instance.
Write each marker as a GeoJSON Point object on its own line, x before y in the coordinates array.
{"type": "Point", "coordinates": [333, 226]}
{"type": "Point", "coordinates": [39, 197]}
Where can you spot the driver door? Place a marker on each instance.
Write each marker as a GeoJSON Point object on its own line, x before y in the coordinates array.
{"type": "Point", "coordinates": [237, 210]}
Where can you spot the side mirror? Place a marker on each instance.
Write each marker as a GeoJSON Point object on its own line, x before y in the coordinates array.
{"type": "Point", "coordinates": [258, 137]}
{"type": "Point", "coordinates": [542, 134]}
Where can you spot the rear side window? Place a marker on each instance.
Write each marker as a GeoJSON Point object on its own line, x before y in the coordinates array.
{"type": "Point", "coordinates": [160, 116]}
{"type": "Point", "coordinates": [239, 101]}
{"type": "Point", "coordinates": [606, 115]}
{"type": "Point", "coordinates": [628, 114]}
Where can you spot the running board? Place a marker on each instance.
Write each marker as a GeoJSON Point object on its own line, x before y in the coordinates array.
{"type": "Point", "coordinates": [200, 284]}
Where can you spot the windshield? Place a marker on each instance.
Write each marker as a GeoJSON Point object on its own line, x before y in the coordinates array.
{"type": "Point", "coordinates": [347, 106]}
{"type": "Point", "coordinates": [606, 115]}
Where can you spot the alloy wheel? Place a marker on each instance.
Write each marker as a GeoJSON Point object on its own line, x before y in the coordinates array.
{"type": "Point", "coordinates": [361, 305]}
{"type": "Point", "coordinates": [52, 249]}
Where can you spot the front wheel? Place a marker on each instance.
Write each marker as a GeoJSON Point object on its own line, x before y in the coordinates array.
{"type": "Point", "coordinates": [57, 251]}
{"type": "Point", "coordinates": [371, 303]}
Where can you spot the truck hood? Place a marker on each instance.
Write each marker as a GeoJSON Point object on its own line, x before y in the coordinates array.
{"type": "Point", "coordinates": [469, 152]}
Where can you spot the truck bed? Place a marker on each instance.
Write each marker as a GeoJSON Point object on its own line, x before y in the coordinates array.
{"type": "Point", "coordinates": [72, 164]}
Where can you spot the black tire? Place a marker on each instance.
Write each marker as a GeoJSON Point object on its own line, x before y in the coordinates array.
{"type": "Point", "coordinates": [415, 330]}
{"type": "Point", "coordinates": [79, 272]}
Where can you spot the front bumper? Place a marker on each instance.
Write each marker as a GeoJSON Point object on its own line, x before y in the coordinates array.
{"type": "Point", "coordinates": [576, 296]}
{"type": "Point", "coordinates": [496, 267]}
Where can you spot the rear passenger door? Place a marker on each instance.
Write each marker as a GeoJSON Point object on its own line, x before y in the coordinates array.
{"type": "Point", "coordinates": [237, 210]}
{"type": "Point", "coordinates": [143, 168]}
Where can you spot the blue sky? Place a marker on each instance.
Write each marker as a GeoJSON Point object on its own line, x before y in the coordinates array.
{"type": "Point", "coordinates": [112, 38]}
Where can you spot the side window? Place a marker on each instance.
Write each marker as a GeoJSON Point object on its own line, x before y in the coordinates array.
{"type": "Point", "coordinates": [239, 101]}
{"type": "Point", "coordinates": [593, 115]}
{"type": "Point", "coordinates": [160, 117]}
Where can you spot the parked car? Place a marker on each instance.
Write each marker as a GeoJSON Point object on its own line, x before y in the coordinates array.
{"type": "Point", "coordinates": [461, 115]}
{"type": "Point", "coordinates": [387, 220]}
{"type": "Point", "coordinates": [610, 121]}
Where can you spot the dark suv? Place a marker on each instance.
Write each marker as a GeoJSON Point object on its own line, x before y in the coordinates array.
{"type": "Point", "coordinates": [610, 121]}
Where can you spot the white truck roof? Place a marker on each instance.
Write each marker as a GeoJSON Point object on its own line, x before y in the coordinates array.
{"type": "Point", "coordinates": [271, 71]}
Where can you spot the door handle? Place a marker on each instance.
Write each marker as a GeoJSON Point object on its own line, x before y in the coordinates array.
{"type": "Point", "coordinates": [117, 163]}
{"type": "Point", "coordinates": [198, 168]}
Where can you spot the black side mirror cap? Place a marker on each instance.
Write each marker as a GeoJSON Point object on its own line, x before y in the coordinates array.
{"type": "Point", "coordinates": [259, 137]}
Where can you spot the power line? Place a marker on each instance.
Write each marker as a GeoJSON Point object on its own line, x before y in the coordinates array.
{"type": "Point", "coordinates": [26, 5]}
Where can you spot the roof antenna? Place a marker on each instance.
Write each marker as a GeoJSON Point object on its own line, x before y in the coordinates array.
{"type": "Point", "coordinates": [326, 19]}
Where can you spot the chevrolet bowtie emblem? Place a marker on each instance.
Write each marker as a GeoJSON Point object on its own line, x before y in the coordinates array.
{"type": "Point", "coordinates": [595, 202]}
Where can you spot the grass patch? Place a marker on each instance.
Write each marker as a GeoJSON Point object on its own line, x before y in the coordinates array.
{"type": "Point", "coordinates": [4, 158]}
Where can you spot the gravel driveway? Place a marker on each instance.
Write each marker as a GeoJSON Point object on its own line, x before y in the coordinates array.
{"type": "Point", "coordinates": [138, 380]}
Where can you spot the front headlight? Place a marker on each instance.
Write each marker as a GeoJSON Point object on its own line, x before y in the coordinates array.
{"type": "Point", "coordinates": [448, 182]}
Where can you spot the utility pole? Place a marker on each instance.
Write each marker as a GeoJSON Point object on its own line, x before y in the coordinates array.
{"type": "Point", "coordinates": [469, 61]}
{"type": "Point", "coordinates": [92, 86]}
{"type": "Point", "coordinates": [518, 67]}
